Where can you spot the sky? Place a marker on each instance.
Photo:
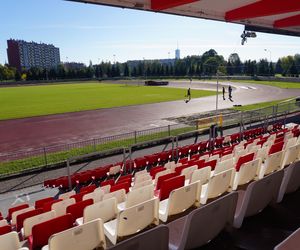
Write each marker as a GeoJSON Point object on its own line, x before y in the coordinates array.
{"type": "Point", "coordinates": [85, 32]}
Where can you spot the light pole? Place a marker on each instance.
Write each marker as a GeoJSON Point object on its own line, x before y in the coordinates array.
{"type": "Point", "coordinates": [217, 96]}
{"type": "Point", "coordinates": [270, 54]}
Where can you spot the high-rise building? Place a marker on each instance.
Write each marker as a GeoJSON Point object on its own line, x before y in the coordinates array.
{"type": "Point", "coordinates": [177, 53]}
{"type": "Point", "coordinates": [22, 54]}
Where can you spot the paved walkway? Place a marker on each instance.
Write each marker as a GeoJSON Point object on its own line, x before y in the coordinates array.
{"type": "Point", "coordinates": [36, 132]}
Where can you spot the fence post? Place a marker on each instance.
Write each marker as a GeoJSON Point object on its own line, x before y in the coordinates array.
{"type": "Point", "coordinates": [45, 157]}
{"type": "Point", "coordinates": [130, 158]}
{"type": "Point", "coordinates": [177, 147]}
{"type": "Point", "coordinates": [124, 157]}
{"type": "Point", "coordinates": [135, 140]}
{"type": "Point", "coordinates": [169, 130]}
{"type": "Point", "coordinates": [172, 155]}
{"type": "Point", "coordinates": [241, 126]}
{"type": "Point", "coordinates": [69, 175]}
{"type": "Point", "coordinates": [94, 144]}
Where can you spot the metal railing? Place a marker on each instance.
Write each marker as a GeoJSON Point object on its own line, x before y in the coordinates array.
{"type": "Point", "coordinates": [48, 156]}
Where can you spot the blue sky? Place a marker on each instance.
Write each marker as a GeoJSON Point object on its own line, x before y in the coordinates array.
{"type": "Point", "coordinates": [86, 32]}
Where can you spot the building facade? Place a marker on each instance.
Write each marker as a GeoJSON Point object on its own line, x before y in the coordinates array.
{"type": "Point", "coordinates": [25, 55]}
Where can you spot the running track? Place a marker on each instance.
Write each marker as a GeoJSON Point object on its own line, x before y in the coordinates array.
{"type": "Point", "coordinates": [36, 132]}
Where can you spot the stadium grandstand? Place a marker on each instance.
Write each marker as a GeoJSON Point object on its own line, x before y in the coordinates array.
{"type": "Point", "coordinates": [239, 190]}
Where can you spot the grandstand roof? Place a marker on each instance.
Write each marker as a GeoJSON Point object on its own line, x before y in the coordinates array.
{"type": "Point", "coordinates": [271, 16]}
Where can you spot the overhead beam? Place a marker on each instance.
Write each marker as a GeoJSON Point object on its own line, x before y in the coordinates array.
{"type": "Point", "coordinates": [166, 4]}
{"type": "Point", "coordinates": [287, 22]}
{"type": "Point", "coordinates": [263, 8]}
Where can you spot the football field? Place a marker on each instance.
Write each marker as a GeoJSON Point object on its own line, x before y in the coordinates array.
{"type": "Point", "coordinates": [29, 101]}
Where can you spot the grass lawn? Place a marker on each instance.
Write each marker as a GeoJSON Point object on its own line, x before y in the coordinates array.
{"type": "Point", "coordinates": [28, 101]}
{"type": "Point", "coordinates": [258, 105]}
{"type": "Point", "coordinates": [283, 85]}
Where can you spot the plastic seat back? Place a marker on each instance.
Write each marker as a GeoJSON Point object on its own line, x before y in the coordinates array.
{"type": "Point", "coordinates": [258, 195]}
{"type": "Point", "coordinates": [66, 195]}
{"type": "Point", "coordinates": [41, 232]}
{"type": "Point", "coordinates": [16, 208]}
{"type": "Point", "coordinates": [247, 173]}
{"type": "Point", "coordinates": [120, 195]}
{"type": "Point", "coordinates": [162, 178]}
{"type": "Point", "coordinates": [5, 229]}
{"type": "Point", "coordinates": [182, 198]}
{"type": "Point", "coordinates": [96, 196]}
{"type": "Point", "coordinates": [272, 163]}
{"type": "Point", "coordinates": [170, 184]}
{"type": "Point", "coordinates": [23, 216]}
{"type": "Point", "coordinates": [202, 175]}
{"type": "Point", "coordinates": [3, 222]}
{"type": "Point", "coordinates": [30, 222]}
{"type": "Point", "coordinates": [210, 220]}
{"type": "Point", "coordinates": [123, 185]}
{"type": "Point", "coordinates": [18, 212]}
{"type": "Point", "coordinates": [147, 212]}
{"type": "Point", "coordinates": [291, 155]}
{"type": "Point", "coordinates": [156, 238]}
{"type": "Point", "coordinates": [187, 172]}
{"type": "Point", "coordinates": [290, 242]}
{"type": "Point", "coordinates": [218, 185]}
{"type": "Point", "coordinates": [224, 165]}
{"type": "Point", "coordinates": [105, 210]}
{"type": "Point", "coordinates": [61, 207]}
{"type": "Point", "coordinates": [40, 203]}
{"type": "Point", "coordinates": [139, 195]}
{"type": "Point", "coordinates": [142, 184]}
{"type": "Point", "coordinates": [10, 241]}
{"type": "Point", "coordinates": [76, 210]}
{"type": "Point", "coordinates": [243, 159]}
{"type": "Point", "coordinates": [88, 189]}
{"type": "Point", "coordinates": [161, 173]}
{"type": "Point", "coordinates": [87, 236]}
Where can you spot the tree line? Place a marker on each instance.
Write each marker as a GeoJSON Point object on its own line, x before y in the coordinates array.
{"type": "Point", "coordinates": [207, 64]}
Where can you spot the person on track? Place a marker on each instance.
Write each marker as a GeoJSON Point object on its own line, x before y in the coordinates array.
{"type": "Point", "coordinates": [230, 92]}
{"type": "Point", "coordinates": [188, 95]}
{"type": "Point", "coordinates": [223, 89]}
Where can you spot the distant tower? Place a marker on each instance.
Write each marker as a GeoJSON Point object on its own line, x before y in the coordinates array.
{"type": "Point", "coordinates": [177, 53]}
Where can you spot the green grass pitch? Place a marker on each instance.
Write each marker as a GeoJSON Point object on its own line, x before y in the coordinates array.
{"type": "Point", "coordinates": [28, 101]}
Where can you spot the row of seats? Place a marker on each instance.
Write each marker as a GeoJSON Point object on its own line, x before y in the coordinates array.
{"type": "Point", "coordinates": [172, 185]}
{"type": "Point", "coordinates": [188, 232]}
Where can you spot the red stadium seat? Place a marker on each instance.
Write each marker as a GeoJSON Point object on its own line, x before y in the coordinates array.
{"type": "Point", "coordinates": [76, 210]}
{"type": "Point", "coordinates": [200, 163]}
{"type": "Point", "coordinates": [243, 159]}
{"type": "Point", "coordinates": [203, 146]}
{"type": "Point", "coordinates": [276, 147]}
{"type": "Point", "coordinates": [122, 185]}
{"type": "Point", "coordinates": [5, 229]}
{"type": "Point", "coordinates": [78, 197]}
{"type": "Point", "coordinates": [23, 216]}
{"type": "Point", "coordinates": [140, 162]}
{"type": "Point", "coordinates": [169, 185]}
{"type": "Point", "coordinates": [124, 178]}
{"type": "Point", "coordinates": [107, 182]}
{"type": "Point", "coordinates": [152, 160]}
{"type": "Point", "coordinates": [16, 208]}
{"type": "Point", "coordinates": [211, 164]}
{"type": "Point", "coordinates": [164, 177]}
{"type": "Point", "coordinates": [88, 189]}
{"type": "Point", "coordinates": [40, 203]}
{"type": "Point", "coordinates": [47, 206]}
{"type": "Point", "coordinates": [155, 170]}
{"type": "Point", "coordinates": [42, 232]}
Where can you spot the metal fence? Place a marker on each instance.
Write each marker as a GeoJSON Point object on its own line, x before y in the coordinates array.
{"type": "Point", "coordinates": [32, 159]}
